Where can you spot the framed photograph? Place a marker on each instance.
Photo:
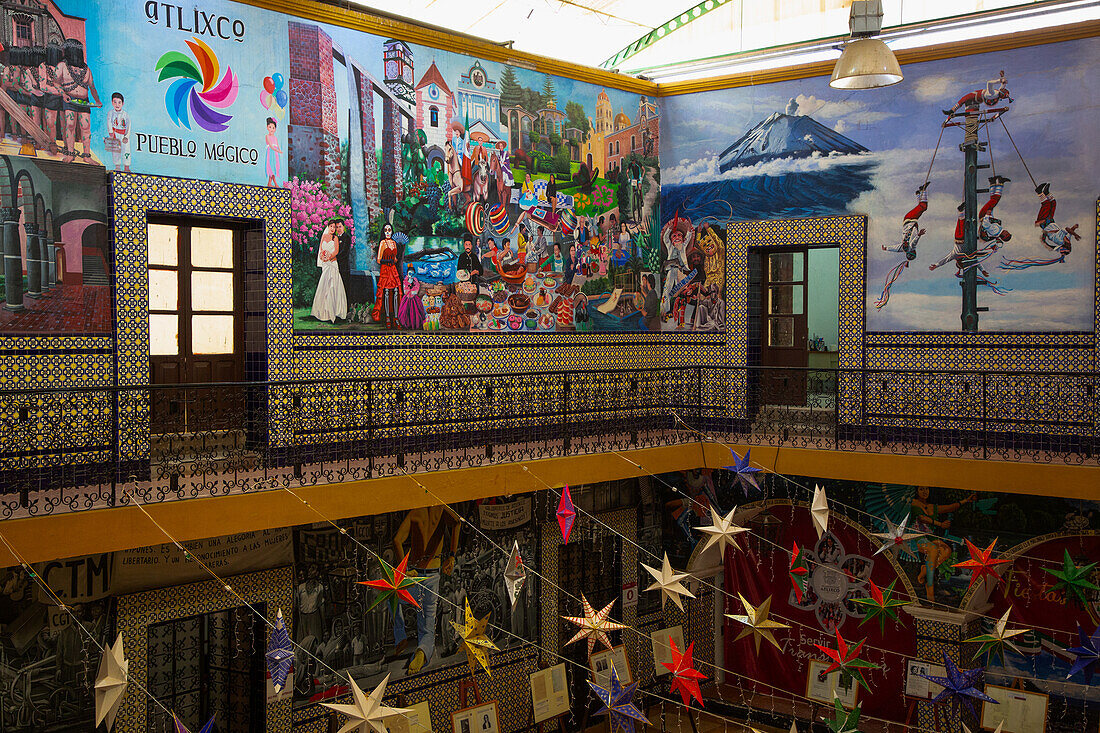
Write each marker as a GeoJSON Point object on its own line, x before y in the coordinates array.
{"type": "Point", "coordinates": [549, 693]}
{"type": "Point", "coordinates": [1016, 711]}
{"type": "Point", "coordinates": [662, 650]}
{"type": "Point", "coordinates": [600, 664]}
{"type": "Point", "coordinates": [418, 721]}
{"type": "Point", "coordinates": [479, 719]}
{"type": "Point", "coordinates": [824, 687]}
{"type": "Point", "coordinates": [916, 686]}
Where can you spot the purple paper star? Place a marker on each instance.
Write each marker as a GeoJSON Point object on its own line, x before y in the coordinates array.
{"type": "Point", "coordinates": [959, 686]}
{"type": "Point", "coordinates": [280, 654]}
{"type": "Point", "coordinates": [618, 704]}
{"type": "Point", "coordinates": [1087, 654]}
{"type": "Point", "coordinates": [745, 473]}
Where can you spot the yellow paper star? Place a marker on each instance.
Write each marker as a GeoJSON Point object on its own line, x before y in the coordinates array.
{"type": "Point", "coordinates": [669, 583]}
{"type": "Point", "coordinates": [365, 714]}
{"type": "Point", "coordinates": [757, 622]}
{"type": "Point", "coordinates": [474, 640]}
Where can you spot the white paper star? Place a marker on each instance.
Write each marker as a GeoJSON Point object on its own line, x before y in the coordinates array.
{"type": "Point", "coordinates": [722, 532]}
{"type": "Point", "coordinates": [794, 728]}
{"type": "Point", "coordinates": [999, 725]}
{"type": "Point", "coordinates": [896, 538]}
{"type": "Point", "coordinates": [110, 683]}
{"type": "Point", "coordinates": [669, 583]}
{"type": "Point", "coordinates": [367, 712]}
{"type": "Point", "coordinates": [515, 575]}
{"type": "Point", "coordinates": [820, 511]}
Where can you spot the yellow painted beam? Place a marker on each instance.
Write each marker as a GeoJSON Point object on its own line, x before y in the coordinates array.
{"type": "Point", "coordinates": [108, 530]}
{"type": "Point", "coordinates": [361, 19]}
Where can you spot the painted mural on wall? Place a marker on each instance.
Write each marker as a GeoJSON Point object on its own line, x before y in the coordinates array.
{"type": "Point", "coordinates": [438, 192]}
{"type": "Point", "coordinates": [799, 149]}
{"type": "Point", "coordinates": [335, 617]}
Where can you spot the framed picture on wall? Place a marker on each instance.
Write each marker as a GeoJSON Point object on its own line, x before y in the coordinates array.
{"type": "Point", "coordinates": [824, 687]}
{"type": "Point", "coordinates": [478, 719]}
{"type": "Point", "coordinates": [600, 664]}
{"type": "Point", "coordinates": [418, 720]}
{"type": "Point", "coordinates": [662, 650]}
{"type": "Point", "coordinates": [549, 693]}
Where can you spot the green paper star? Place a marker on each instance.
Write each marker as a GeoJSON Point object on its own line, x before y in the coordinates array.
{"type": "Point", "coordinates": [880, 605]}
{"type": "Point", "coordinates": [1074, 580]}
{"type": "Point", "coordinates": [844, 721]}
{"type": "Point", "coordinates": [994, 643]}
{"type": "Point", "coordinates": [846, 658]}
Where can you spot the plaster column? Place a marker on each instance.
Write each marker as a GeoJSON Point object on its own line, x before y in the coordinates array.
{"type": "Point", "coordinates": [34, 265]}
{"type": "Point", "coordinates": [51, 250]}
{"type": "Point", "coordinates": [13, 261]}
{"type": "Point", "coordinates": [44, 258]}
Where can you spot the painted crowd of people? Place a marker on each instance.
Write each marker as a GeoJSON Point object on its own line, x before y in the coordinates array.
{"type": "Point", "coordinates": [51, 93]}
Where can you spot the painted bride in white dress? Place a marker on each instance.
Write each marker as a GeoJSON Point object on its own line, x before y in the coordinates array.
{"type": "Point", "coordinates": [330, 302]}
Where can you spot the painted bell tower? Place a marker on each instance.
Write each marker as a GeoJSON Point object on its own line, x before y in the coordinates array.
{"type": "Point", "coordinates": [397, 59]}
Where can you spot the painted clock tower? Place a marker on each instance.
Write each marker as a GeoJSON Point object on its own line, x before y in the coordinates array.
{"type": "Point", "coordinates": [397, 59]}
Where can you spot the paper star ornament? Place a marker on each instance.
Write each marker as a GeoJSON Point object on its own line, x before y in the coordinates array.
{"type": "Point", "coordinates": [515, 575]}
{"type": "Point", "coordinates": [393, 586]}
{"type": "Point", "coordinates": [794, 728]}
{"type": "Point", "coordinates": [474, 640]}
{"type": "Point", "coordinates": [998, 729]}
{"type": "Point", "coordinates": [618, 704]}
{"type": "Point", "coordinates": [896, 539]}
{"type": "Point", "coordinates": [994, 642]}
{"type": "Point", "coordinates": [722, 532]}
{"type": "Point", "coordinates": [981, 563]}
{"type": "Point", "coordinates": [744, 472]}
{"type": "Point", "coordinates": [669, 582]}
{"type": "Point", "coordinates": [685, 678]}
{"type": "Point", "coordinates": [1086, 654]}
{"type": "Point", "coordinates": [567, 515]}
{"type": "Point", "coordinates": [179, 727]}
{"type": "Point", "coordinates": [280, 654]}
{"type": "Point", "coordinates": [799, 572]}
{"type": "Point", "coordinates": [846, 658]}
{"type": "Point", "coordinates": [880, 604]}
{"type": "Point", "coordinates": [757, 622]}
{"type": "Point", "coordinates": [594, 625]}
{"type": "Point", "coordinates": [959, 686]}
{"type": "Point", "coordinates": [110, 683]}
{"type": "Point", "coordinates": [819, 511]}
{"type": "Point", "coordinates": [843, 721]}
{"type": "Point", "coordinates": [1073, 580]}
{"type": "Point", "coordinates": [366, 712]}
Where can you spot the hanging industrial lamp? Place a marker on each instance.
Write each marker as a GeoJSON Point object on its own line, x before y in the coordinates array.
{"type": "Point", "coordinates": [866, 62]}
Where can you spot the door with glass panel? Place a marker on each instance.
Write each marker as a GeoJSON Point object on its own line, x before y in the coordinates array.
{"type": "Point", "coordinates": [784, 329]}
{"type": "Point", "coordinates": [195, 324]}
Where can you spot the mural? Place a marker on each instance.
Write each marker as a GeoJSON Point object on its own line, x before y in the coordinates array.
{"type": "Point", "coordinates": [440, 192]}
{"type": "Point", "coordinates": [337, 621]}
{"type": "Point", "coordinates": [799, 149]}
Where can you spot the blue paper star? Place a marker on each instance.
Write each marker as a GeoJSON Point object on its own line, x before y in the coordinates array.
{"type": "Point", "coordinates": [959, 686]}
{"type": "Point", "coordinates": [618, 704]}
{"type": "Point", "coordinates": [280, 655]}
{"type": "Point", "coordinates": [745, 473]}
{"type": "Point", "coordinates": [1088, 654]}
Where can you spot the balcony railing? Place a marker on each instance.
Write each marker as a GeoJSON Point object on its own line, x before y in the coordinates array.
{"type": "Point", "coordinates": [76, 449]}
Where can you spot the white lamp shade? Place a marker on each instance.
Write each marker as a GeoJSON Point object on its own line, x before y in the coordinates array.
{"type": "Point", "coordinates": [866, 63]}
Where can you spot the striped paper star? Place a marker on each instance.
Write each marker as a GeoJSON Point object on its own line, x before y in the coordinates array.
{"type": "Point", "coordinates": [594, 625]}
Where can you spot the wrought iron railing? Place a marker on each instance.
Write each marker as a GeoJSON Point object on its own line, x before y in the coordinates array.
{"type": "Point", "coordinates": [75, 449]}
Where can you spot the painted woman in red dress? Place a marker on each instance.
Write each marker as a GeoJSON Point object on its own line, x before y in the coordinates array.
{"type": "Point", "coordinates": [389, 280]}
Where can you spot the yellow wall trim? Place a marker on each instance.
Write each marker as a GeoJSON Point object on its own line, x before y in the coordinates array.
{"type": "Point", "coordinates": [40, 539]}
{"type": "Point", "coordinates": [989, 44]}
{"type": "Point", "coordinates": [412, 32]}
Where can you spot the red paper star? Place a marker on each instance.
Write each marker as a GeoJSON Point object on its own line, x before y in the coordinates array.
{"type": "Point", "coordinates": [394, 584]}
{"type": "Point", "coordinates": [798, 572]}
{"type": "Point", "coordinates": [846, 659]}
{"type": "Point", "coordinates": [685, 677]}
{"type": "Point", "coordinates": [981, 563]}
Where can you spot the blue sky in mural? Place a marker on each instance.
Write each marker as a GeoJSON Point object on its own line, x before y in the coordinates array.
{"type": "Point", "coordinates": [124, 45]}
{"type": "Point", "coordinates": [1053, 120]}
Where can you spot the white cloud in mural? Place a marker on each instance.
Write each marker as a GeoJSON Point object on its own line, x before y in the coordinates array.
{"type": "Point", "coordinates": [706, 170]}
{"type": "Point", "coordinates": [1017, 311]}
{"type": "Point", "coordinates": [939, 88]}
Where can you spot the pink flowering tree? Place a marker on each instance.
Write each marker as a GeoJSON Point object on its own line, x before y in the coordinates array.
{"type": "Point", "coordinates": [310, 207]}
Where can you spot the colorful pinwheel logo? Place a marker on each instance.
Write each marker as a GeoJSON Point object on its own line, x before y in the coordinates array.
{"type": "Point", "coordinates": [197, 92]}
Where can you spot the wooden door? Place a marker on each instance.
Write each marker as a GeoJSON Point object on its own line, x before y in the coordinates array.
{"type": "Point", "coordinates": [196, 324]}
{"type": "Point", "coordinates": [783, 327]}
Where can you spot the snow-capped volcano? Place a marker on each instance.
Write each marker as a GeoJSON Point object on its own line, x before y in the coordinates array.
{"type": "Point", "coordinates": [784, 135]}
